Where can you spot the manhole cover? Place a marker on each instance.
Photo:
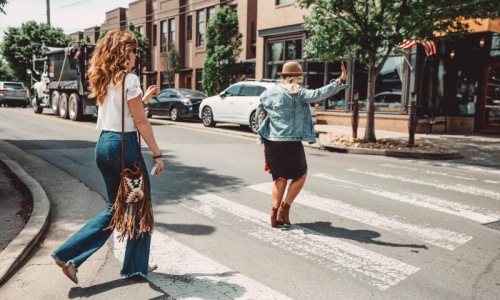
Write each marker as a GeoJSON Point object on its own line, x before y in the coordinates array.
{"type": "Point", "coordinates": [493, 225]}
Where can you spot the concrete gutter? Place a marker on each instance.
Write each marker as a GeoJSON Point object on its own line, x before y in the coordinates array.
{"type": "Point", "coordinates": [19, 248]}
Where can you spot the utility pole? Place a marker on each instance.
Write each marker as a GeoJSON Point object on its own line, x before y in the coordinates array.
{"type": "Point", "coordinates": [48, 12]}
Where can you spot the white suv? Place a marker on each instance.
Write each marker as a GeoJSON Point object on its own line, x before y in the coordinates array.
{"type": "Point", "coordinates": [236, 104]}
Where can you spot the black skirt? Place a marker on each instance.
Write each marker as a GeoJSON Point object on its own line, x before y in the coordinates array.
{"type": "Point", "coordinates": [285, 159]}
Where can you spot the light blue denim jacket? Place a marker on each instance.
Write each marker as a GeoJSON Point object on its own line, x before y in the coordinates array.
{"type": "Point", "coordinates": [288, 115]}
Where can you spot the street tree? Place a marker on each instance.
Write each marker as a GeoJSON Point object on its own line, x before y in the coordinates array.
{"type": "Point", "coordinates": [2, 4]}
{"type": "Point", "coordinates": [21, 43]}
{"type": "Point", "coordinates": [223, 46]}
{"type": "Point", "coordinates": [172, 64]}
{"type": "Point", "coordinates": [369, 31]}
{"type": "Point", "coordinates": [6, 73]}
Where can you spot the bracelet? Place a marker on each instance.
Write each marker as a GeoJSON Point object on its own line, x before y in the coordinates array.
{"type": "Point", "coordinates": [159, 155]}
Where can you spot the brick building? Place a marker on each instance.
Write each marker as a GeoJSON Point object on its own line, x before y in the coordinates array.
{"type": "Point", "coordinates": [464, 92]}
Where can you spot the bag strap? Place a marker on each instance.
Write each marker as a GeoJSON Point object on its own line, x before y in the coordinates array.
{"type": "Point", "coordinates": [123, 127]}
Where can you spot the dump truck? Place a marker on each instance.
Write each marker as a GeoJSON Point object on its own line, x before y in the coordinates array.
{"type": "Point", "coordinates": [64, 84]}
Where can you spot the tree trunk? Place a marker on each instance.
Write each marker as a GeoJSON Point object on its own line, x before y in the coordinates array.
{"type": "Point", "coordinates": [370, 113]}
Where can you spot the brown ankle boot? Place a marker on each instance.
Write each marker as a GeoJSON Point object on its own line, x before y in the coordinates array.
{"type": "Point", "coordinates": [274, 215]}
{"type": "Point", "coordinates": [284, 213]}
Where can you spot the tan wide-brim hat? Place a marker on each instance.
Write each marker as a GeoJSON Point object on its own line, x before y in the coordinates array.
{"type": "Point", "coordinates": [291, 68]}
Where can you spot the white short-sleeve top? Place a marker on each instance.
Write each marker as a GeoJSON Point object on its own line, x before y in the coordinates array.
{"type": "Point", "coordinates": [109, 115]}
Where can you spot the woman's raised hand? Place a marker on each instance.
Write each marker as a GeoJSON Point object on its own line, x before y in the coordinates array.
{"type": "Point", "coordinates": [152, 91]}
{"type": "Point", "coordinates": [343, 76]}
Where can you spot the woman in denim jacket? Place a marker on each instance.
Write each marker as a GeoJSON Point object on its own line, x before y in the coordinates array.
{"type": "Point", "coordinates": [286, 124]}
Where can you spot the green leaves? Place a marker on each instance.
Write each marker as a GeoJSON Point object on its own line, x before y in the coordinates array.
{"type": "Point", "coordinates": [223, 46]}
{"type": "Point", "coordinates": [21, 43]}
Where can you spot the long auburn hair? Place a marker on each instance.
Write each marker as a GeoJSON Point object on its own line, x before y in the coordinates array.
{"type": "Point", "coordinates": [110, 62]}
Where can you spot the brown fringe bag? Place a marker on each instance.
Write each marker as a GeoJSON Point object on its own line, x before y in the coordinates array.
{"type": "Point", "coordinates": [133, 202]}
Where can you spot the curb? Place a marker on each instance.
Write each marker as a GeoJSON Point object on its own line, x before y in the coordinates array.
{"type": "Point", "coordinates": [391, 153]}
{"type": "Point", "coordinates": [19, 248]}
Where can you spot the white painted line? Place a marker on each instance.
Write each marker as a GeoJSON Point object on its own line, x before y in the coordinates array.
{"type": "Point", "coordinates": [453, 208]}
{"type": "Point", "coordinates": [465, 189]}
{"type": "Point", "coordinates": [430, 172]}
{"type": "Point", "coordinates": [492, 181]}
{"type": "Point", "coordinates": [437, 236]}
{"type": "Point", "coordinates": [458, 166]}
{"type": "Point", "coordinates": [370, 267]}
{"type": "Point", "coordinates": [186, 274]}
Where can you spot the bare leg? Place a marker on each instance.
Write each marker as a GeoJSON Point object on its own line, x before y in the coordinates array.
{"type": "Point", "coordinates": [279, 187]}
{"type": "Point", "coordinates": [295, 188]}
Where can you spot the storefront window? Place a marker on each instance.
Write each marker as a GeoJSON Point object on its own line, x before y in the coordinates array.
{"type": "Point", "coordinates": [294, 49]}
{"type": "Point", "coordinates": [275, 60]}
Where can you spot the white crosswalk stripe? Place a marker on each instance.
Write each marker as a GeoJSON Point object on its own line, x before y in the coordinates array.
{"type": "Point", "coordinates": [437, 236]}
{"type": "Point", "coordinates": [186, 274]}
{"type": "Point", "coordinates": [457, 209]}
{"type": "Point", "coordinates": [465, 189]}
{"type": "Point", "coordinates": [370, 267]}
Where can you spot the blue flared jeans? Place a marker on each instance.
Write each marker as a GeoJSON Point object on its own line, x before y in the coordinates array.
{"type": "Point", "coordinates": [81, 245]}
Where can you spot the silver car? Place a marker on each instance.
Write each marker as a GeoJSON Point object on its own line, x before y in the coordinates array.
{"type": "Point", "coordinates": [13, 94]}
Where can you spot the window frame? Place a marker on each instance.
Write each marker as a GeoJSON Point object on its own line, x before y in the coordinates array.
{"type": "Point", "coordinates": [200, 27]}
{"type": "Point", "coordinates": [163, 36]}
{"type": "Point", "coordinates": [171, 33]}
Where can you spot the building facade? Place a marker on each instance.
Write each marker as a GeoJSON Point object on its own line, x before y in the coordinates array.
{"type": "Point", "coordinates": [458, 83]}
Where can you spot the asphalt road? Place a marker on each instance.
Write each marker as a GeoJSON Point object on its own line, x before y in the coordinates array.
{"type": "Point", "coordinates": [365, 227]}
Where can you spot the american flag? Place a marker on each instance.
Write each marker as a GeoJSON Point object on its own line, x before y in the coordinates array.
{"type": "Point", "coordinates": [430, 47]}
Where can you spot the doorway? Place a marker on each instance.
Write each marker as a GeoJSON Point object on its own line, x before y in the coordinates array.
{"type": "Point", "coordinates": [491, 102]}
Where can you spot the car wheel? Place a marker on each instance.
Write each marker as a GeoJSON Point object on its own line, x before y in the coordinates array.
{"type": "Point", "coordinates": [63, 106]}
{"type": "Point", "coordinates": [174, 114]}
{"type": "Point", "coordinates": [254, 126]}
{"type": "Point", "coordinates": [148, 112]}
{"type": "Point", "coordinates": [207, 117]}
{"type": "Point", "coordinates": [74, 108]}
{"type": "Point", "coordinates": [36, 108]}
{"type": "Point", "coordinates": [54, 102]}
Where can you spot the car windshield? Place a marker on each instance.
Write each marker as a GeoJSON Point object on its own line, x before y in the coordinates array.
{"type": "Point", "coordinates": [192, 93]}
{"type": "Point", "coordinates": [14, 86]}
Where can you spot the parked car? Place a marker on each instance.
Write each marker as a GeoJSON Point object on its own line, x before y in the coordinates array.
{"type": "Point", "coordinates": [176, 103]}
{"type": "Point", "coordinates": [236, 104]}
{"type": "Point", "coordinates": [13, 94]}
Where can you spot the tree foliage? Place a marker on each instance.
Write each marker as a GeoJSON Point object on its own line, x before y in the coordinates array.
{"type": "Point", "coordinates": [6, 73]}
{"type": "Point", "coordinates": [172, 64]}
{"type": "Point", "coordinates": [21, 43]}
{"type": "Point", "coordinates": [2, 4]}
{"type": "Point", "coordinates": [223, 46]}
{"type": "Point", "coordinates": [369, 30]}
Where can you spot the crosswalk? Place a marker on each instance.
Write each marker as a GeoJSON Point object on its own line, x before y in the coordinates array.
{"type": "Point", "coordinates": [187, 274]}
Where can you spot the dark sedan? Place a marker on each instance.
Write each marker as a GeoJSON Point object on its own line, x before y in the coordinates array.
{"type": "Point", "coordinates": [176, 104]}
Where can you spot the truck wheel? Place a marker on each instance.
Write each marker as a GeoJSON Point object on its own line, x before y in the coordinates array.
{"type": "Point", "coordinates": [75, 108]}
{"type": "Point", "coordinates": [34, 103]}
{"type": "Point", "coordinates": [63, 106]}
{"type": "Point", "coordinates": [54, 102]}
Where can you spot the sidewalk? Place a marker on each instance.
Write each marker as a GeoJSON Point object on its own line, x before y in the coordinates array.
{"type": "Point", "coordinates": [474, 149]}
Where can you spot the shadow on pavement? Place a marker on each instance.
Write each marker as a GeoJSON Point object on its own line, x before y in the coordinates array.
{"type": "Point", "coordinates": [189, 229]}
{"type": "Point", "coordinates": [87, 292]}
{"type": "Point", "coordinates": [362, 236]}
